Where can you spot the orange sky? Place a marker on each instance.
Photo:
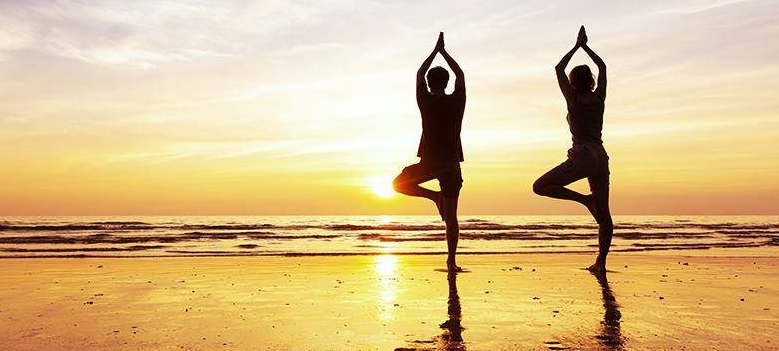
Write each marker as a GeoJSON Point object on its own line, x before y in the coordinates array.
{"type": "Point", "coordinates": [286, 107]}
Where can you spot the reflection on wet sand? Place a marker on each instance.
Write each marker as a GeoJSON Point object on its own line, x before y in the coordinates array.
{"type": "Point", "coordinates": [610, 333]}
{"type": "Point", "coordinates": [451, 339]}
{"type": "Point", "coordinates": [386, 268]}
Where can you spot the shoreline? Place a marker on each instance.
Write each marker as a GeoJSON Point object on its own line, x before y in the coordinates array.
{"type": "Point", "coordinates": [764, 251]}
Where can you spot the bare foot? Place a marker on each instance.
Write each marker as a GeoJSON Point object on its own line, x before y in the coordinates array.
{"type": "Point", "coordinates": [592, 206]}
{"type": "Point", "coordinates": [452, 267]}
{"type": "Point", "coordinates": [597, 268]}
{"type": "Point", "coordinates": [439, 204]}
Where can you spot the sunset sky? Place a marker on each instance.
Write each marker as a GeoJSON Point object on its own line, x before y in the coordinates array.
{"type": "Point", "coordinates": [306, 107]}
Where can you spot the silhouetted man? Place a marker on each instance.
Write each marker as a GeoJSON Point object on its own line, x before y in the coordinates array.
{"type": "Point", "coordinates": [440, 149]}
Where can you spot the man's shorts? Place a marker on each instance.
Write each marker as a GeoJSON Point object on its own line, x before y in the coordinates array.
{"type": "Point", "coordinates": [449, 176]}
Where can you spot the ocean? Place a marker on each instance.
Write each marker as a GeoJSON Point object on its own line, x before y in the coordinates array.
{"type": "Point", "coordinates": [125, 236]}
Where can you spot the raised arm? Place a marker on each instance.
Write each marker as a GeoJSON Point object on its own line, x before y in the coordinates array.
{"type": "Point", "coordinates": [582, 41]}
{"type": "Point", "coordinates": [562, 79]}
{"type": "Point", "coordinates": [601, 89]}
{"type": "Point", "coordinates": [429, 60]}
{"type": "Point", "coordinates": [459, 75]}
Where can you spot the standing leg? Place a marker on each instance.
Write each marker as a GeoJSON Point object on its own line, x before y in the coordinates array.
{"type": "Point", "coordinates": [451, 182]}
{"type": "Point", "coordinates": [452, 231]}
{"type": "Point", "coordinates": [600, 191]}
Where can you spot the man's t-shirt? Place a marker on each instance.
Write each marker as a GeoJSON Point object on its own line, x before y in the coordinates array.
{"type": "Point", "coordinates": [442, 118]}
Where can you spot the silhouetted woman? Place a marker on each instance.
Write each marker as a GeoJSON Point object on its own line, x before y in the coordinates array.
{"type": "Point", "coordinates": [586, 158]}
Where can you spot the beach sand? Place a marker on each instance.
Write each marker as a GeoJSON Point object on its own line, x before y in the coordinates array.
{"type": "Point", "coordinates": [386, 302]}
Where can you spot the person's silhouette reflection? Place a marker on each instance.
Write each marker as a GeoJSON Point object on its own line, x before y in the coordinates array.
{"type": "Point", "coordinates": [610, 333]}
{"type": "Point", "coordinates": [452, 338]}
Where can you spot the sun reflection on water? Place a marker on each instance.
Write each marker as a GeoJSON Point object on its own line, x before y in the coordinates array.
{"type": "Point", "coordinates": [386, 268]}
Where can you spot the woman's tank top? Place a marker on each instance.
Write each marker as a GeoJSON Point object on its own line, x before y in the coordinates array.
{"type": "Point", "coordinates": [585, 120]}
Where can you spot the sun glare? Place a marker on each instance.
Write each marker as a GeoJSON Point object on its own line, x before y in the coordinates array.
{"type": "Point", "coordinates": [381, 186]}
{"type": "Point", "coordinates": [386, 268]}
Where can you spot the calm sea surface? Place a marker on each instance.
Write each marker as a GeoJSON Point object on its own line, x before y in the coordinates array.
{"type": "Point", "coordinates": [338, 235]}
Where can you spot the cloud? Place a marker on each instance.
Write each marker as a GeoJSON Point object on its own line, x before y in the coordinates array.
{"type": "Point", "coordinates": [698, 6]}
{"type": "Point", "coordinates": [146, 33]}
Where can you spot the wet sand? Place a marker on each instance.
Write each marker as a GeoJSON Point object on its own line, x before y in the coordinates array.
{"type": "Point", "coordinates": [505, 302]}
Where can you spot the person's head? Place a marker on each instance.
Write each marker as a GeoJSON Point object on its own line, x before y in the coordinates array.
{"type": "Point", "coordinates": [581, 78]}
{"type": "Point", "coordinates": [437, 78]}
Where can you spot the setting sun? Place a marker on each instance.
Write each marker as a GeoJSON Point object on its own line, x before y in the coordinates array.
{"type": "Point", "coordinates": [381, 186]}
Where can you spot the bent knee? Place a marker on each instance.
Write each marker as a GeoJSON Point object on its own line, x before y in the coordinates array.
{"type": "Point", "coordinates": [539, 187]}
{"type": "Point", "coordinates": [399, 185]}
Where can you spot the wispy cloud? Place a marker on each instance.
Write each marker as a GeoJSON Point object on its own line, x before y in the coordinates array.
{"type": "Point", "coordinates": [146, 33]}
